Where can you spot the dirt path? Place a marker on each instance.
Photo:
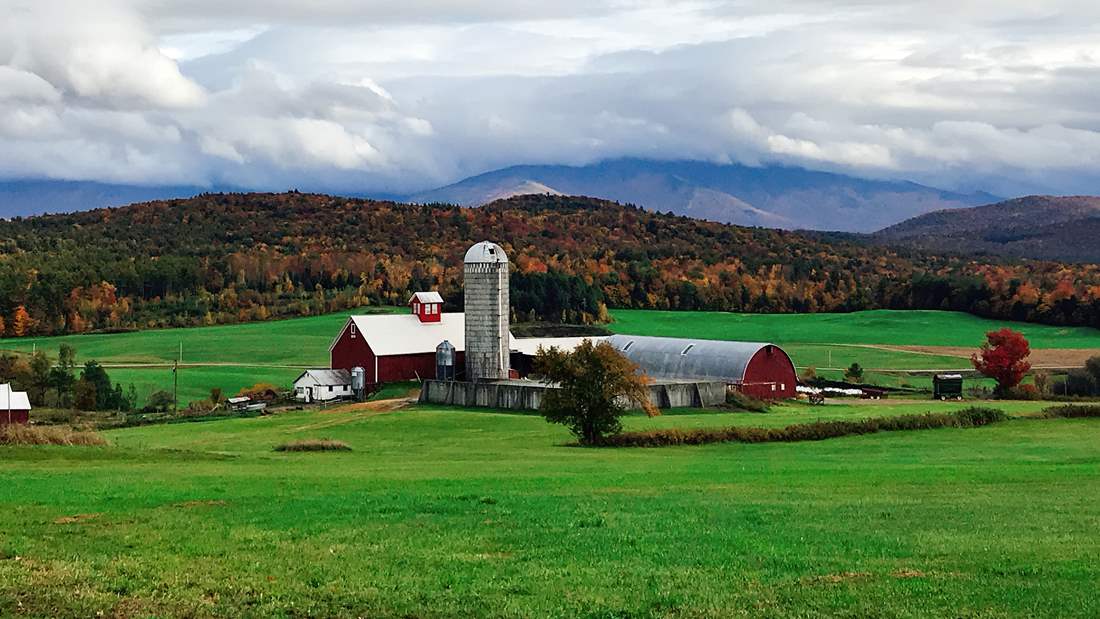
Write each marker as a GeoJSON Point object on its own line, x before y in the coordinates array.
{"type": "Point", "coordinates": [358, 410]}
{"type": "Point", "coordinates": [1042, 358]}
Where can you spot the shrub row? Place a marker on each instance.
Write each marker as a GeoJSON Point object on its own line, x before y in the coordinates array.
{"type": "Point", "coordinates": [315, 444]}
{"type": "Point", "coordinates": [17, 434]}
{"type": "Point", "coordinates": [1073, 412]}
{"type": "Point", "coordinates": [815, 431]}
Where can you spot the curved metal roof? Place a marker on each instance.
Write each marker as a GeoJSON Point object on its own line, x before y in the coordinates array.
{"type": "Point", "coordinates": [485, 252]}
{"type": "Point", "coordinates": [670, 357]}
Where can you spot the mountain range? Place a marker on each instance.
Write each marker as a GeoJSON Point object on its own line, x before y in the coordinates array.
{"type": "Point", "coordinates": [23, 198]}
{"type": "Point", "coordinates": [1039, 227]}
{"type": "Point", "coordinates": [769, 196]}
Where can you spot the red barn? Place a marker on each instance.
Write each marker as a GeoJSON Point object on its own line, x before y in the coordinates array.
{"type": "Point", "coordinates": [398, 347]}
{"type": "Point", "coordinates": [763, 371]}
{"type": "Point", "coordinates": [15, 406]}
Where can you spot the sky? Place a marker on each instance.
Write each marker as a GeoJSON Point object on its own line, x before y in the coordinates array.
{"type": "Point", "coordinates": [381, 96]}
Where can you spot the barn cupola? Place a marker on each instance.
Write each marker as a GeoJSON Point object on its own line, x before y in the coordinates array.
{"type": "Point", "coordinates": [428, 306]}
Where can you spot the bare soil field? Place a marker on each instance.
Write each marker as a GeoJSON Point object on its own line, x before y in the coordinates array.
{"type": "Point", "coordinates": [1051, 358]}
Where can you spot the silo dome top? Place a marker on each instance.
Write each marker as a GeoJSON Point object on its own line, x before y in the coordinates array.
{"type": "Point", "coordinates": [485, 252]}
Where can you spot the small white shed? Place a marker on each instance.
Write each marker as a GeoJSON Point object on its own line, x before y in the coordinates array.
{"type": "Point", "coordinates": [323, 385]}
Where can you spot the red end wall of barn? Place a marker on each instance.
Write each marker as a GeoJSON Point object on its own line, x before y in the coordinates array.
{"type": "Point", "coordinates": [21, 417]}
{"type": "Point", "coordinates": [770, 375]}
{"type": "Point", "coordinates": [352, 351]}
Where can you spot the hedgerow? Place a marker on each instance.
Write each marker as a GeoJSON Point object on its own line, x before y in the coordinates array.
{"type": "Point", "coordinates": [16, 434]}
{"type": "Point", "coordinates": [318, 444]}
{"type": "Point", "coordinates": [815, 431]}
{"type": "Point", "coordinates": [1073, 412]}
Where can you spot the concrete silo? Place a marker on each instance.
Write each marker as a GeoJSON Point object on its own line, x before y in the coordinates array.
{"type": "Point", "coordinates": [488, 338]}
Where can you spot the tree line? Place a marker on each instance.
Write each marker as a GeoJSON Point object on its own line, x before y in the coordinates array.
{"type": "Point", "coordinates": [226, 258]}
{"type": "Point", "coordinates": [59, 385]}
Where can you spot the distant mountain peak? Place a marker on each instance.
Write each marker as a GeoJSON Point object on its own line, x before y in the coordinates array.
{"type": "Point", "coordinates": [770, 196]}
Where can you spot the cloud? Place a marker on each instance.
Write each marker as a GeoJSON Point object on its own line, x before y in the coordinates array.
{"type": "Point", "coordinates": [360, 96]}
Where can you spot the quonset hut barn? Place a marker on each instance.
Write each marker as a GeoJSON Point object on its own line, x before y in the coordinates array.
{"type": "Point", "coordinates": [761, 370]}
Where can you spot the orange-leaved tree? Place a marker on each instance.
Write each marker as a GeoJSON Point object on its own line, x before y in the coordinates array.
{"type": "Point", "coordinates": [595, 383]}
{"type": "Point", "coordinates": [1003, 358]}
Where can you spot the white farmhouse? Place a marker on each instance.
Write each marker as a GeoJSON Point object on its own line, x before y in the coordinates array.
{"type": "Point", "coordinates": [323, 385]}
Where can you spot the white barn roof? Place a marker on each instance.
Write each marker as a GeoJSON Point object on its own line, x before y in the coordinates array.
{"type": "Point", "coordinates": [426, 297]}
{"type": "Point", "coordinates": [669, 357]}
{"type": "Point", "coordinates": [404, 334]}
{"type": "Point", "coordinates": [16, 400]}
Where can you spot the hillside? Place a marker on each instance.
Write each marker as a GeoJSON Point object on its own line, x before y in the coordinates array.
{"type": "Point", "coordinates": [224, 258]}
{"type": "Point", "coordinates": [771, 196]}
{"type": "Point", "coordinates": [1040, 227]}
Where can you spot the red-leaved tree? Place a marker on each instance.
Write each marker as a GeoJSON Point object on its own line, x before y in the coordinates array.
{"type": "Point", "coordinates": [1003, 358]}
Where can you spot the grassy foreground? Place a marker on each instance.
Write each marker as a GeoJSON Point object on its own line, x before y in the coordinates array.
{"type": "Point", "coordinates": [444, 512]}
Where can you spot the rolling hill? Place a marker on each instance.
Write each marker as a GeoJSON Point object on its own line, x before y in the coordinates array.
{"type": "Point", "coordinates": [1038, 227]}
{"type": "Point", "coordinates": [772, 196]}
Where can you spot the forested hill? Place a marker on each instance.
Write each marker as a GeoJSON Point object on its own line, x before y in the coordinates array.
{"type": "Point", "coordinates": [1040, 227]}
{"type": "Point", "coordinates": [220, 258]}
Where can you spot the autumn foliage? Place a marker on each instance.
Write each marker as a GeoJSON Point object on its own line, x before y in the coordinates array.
{"type": "Point", "coordinates": [226, 258]}
{"type": "Point", "coordinates": [1003, 357]}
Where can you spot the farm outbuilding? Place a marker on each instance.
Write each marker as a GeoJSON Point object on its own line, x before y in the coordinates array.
{"type": "Point", "coordinates": [947, 386]}
{"type": "Point", "coordinates": [758, 369]}
{"type": "Point", "coordinates": [323, 385]}
{"type": "Point", "coordinates": [15, 406]}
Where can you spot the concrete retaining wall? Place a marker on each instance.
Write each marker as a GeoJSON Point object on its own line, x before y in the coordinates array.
{"type": "Point", "coordinates": [516, 396]}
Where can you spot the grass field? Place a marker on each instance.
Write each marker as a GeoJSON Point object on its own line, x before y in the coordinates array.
{"type": "Point", "coordinates": [444, 512]}
{"type": "Point", "coordinates": [275, 351]}
{"type": "Point", "coordinates": [272, 352]}
{"type": "Point", "coordinates": [925, 328]}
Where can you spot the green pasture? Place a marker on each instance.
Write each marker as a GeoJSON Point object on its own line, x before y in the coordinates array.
{"type": "Point", "coordinates": [454, 513]}
{"type": "Point", "coordinates": [892, 327]}
{"type": "Point", "coordinates": [293, 342]}
{"type": "Point", "coordinates": [275, 351]}
{"type": "Point", "coordinates": [196, 383]}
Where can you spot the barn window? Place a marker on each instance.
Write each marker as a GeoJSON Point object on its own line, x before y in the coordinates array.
{"type": "Point", "coordinates": [688, 349]}
{"type": "Point", "coordinates": [330, 388]}
{"type": "Point", "coordinates": [773, 386]}
{"type": "Point", "coordinates": [628, 345]}
{"type": "Point", "coordinates": [353, 330]}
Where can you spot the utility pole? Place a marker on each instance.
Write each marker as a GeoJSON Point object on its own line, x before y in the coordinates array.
{"type": "Point", "coordinates": [9, 403]}
{"type": "Point", "coordinates": [175, 387]}
{"type": "Point", "coordinates": [176, 381]}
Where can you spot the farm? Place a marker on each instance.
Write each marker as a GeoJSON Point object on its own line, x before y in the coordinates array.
{"type": "Point", "coordinates": [235, 356]}
{"type": "Point", "coordinates": [445, 512]}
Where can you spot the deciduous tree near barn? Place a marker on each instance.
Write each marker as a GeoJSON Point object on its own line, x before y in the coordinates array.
{"type": "Point", "coordinates": [1003, 358]}
{"type": "Point", "coordinates": [593, 381]}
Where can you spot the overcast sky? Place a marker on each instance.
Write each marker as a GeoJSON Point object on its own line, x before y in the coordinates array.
{"type": "Point", "coordinates": [363, 95]}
